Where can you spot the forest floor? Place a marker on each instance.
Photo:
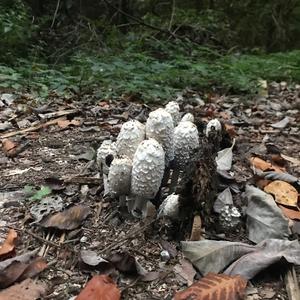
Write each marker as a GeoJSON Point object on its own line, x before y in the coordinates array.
{"type": "Point", "coordinates": [53, 144]}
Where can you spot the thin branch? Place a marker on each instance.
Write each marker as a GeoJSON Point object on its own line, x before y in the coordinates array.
{"type": "Point", "coordinates": [172, 14]}
{"type": "Point", "coordinates": [138, 20]}
{"type": "Point", "coordinates": [55, 13]}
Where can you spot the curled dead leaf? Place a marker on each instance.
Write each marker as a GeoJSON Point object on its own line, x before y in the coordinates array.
{"type": "Point", "coordinates": [19, 271]}
{"type": "Point", "coordinates": [263, 165]}
{"type": "Point", "coordinates": [8, 247]}
{"type": "Point", "coordinates": [66, 123]}
{"type": "Point", "coordinates": [9, 147]}
{"type": "Point", "coordinates": [69, 219]}
{"type": "Point", "coordinates": [283, 192]}
{"type": "Point", "coordinates": [216, 287]}
{"type": "Point", "coordinates": [100, 287]}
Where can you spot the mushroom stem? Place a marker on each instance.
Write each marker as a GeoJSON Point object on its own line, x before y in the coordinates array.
{"type": "Point", "coordinates": [130, 203]}
{"type": "Point", "coordinates": [166, 177]}
{"type": "Point", "coordinates": [122, 201]}
{"type": "Point", "coordinates": [174, 180]}
{"type": "Point", "coordinates": [140, 207]}
{"type": "Point", "coordinates": [105, 185]}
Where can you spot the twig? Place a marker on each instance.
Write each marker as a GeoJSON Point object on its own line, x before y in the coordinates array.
{"type": "Point", "coordinates": [292, 285]}
{"type": "Point", "coordinates": [138, 20]}
{"type": "Point", "coordinates": [134, 233]}
{"type": "Point", "coordinates": [55, 13]}
{"type": "Point", "coordinates": [172, 15]}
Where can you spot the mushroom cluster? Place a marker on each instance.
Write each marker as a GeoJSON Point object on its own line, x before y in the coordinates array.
{"type": "Point", "coordinates": [144, 155]}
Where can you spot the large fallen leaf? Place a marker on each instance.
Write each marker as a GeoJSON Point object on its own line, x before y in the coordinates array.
{"type": "Point", "coordinates": [9, 147]}
{"type": "Point", "coordinates": [283, 192]}
{"type": "Point", "coordinates": [26, 290]}
{"type": "Point", "coordinates": [100, 287]}
{"type": "Point", "coordinates": [290, 213]}
{"type": "Point", "coordinates": [267, 252]}
{"type": "Point", "coordinates": [262, 165]}
{"type": "Point", "coordinates": [215, 287]}
{"type": "Point", "coordinates": [69, 219]}
{"type": "Point", "coordinates": [213, 256]}
{"type": "Point", "coordinates": [265, 219]}
{"type": "Point", "coordinates": [281, 124]}
{"type": "Point", "coordinates": [18, 271]}
{"type": "Point", "coordinates": [8, 247]}
{"type": "Point", "coordinates": [65, 123]}
{"type": "Point", "coordinates": [89, 259]}
{"type": "Point", "coordinates": [224, 158]}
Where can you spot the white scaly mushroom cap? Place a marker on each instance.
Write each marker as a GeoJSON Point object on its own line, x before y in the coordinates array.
{"type": "Point", "coordinates": [107, 148]}
{"type": "Point", "coordinates": [147, 169]}
{"type": "Point", "coordinates": [119, 176]}
{"type": "Point", "coordinates": [132, 133]}
{"type": "Point", "coordinates": [213, 124]}
{"type": "Point", "coordinates": [188, 117]}
{"type": "Point", "coordinates": [186, 141]}
{"type": "Point", "coordinates": [173, 109]}
{"type": "Point", "coordinates": [159, 126]}
{"type": "Point", "coordinates": [169, 207]}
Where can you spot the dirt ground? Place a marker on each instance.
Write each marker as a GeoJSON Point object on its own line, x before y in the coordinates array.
{"type": "Point", "coordinates": [62, 156]}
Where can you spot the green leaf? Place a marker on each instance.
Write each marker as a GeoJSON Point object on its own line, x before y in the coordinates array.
{"type": "Point", "coordinates": [40, 194]}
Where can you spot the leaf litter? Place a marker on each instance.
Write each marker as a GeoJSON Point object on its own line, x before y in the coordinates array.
{"type": "Point", "coordinates": [52, 152]}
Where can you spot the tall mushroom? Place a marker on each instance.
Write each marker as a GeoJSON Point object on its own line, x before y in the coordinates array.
{"type": "Point", "coordinates": [119, 179]}
{"type": "Point", "coordinates": [147, 173]}
{"type": "Point", "coordinates": [214, 134]}
{"type": "Point", "coordinates": [173, 109]}
{"type": "Point", "coordinates": [186, 143]}
{"type": "Point", "coordinates": [159, 126]}
{"type": "Point", "coordinates": [132, 133]}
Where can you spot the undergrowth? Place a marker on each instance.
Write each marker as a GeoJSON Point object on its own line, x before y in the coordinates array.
{"type": "Point", "coordinates": [154, 71]}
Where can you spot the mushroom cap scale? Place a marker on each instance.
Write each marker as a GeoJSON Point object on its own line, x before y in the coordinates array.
{"type": "Point", "coordinates": [132, 133]}
{"type": "Point", "coordinates": [186, 142]}
{"type": "Point", "coordinates": [173, 109]}
{"type": "Point", "coordinates": [213, 124]}
{"type": "Point", "coordinates": [159, 126]}
{"type": "Point", "coordinates": [119, 176]}
{"type": "Point", "coordinates": [147, 169]}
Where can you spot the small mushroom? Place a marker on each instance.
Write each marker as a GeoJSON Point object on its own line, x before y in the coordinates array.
{"type": "Point", "coordinates": [147, 173]}
{"type": "Point", "coordinates": [105, 155]}
{"type": "Point", "coordinates": [173, 109]}
{"type": "Point", "coordinates": [132, 133]}
{"type": "Point", "coordinates": [188, 117]}
{"type": "Point", "coordinates": [119, 178]}
{"type": "Point", "coordinates": [169, 207]}
{"type": "Point", "coordinates": [186, 143]}
{"type": "Point", "coordinates": [213, 125]}
{"type": "Point", "coordinates": [159, 126]}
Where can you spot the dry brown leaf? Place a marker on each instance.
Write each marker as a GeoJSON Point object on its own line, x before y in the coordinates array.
{"type": "Point", "coordinates": [230, 129]}
{"type": "Point", "coordinates": [65, 123]}
{"type": "Point", "coordinates": [283, 192]}
{"type": "Point", "coordinates": [9, 147]}
{"type": "Point", "coordinates": [26, 290]}
{"type": "Point", "coordinates": [8, 247]}
{"type": "Point", "coordinates": [100, 287]}
{"type": "Point", "coordinates": [290, 213]}
{"type": "Point", "coordinates": [263, 165]}
{"type": "Point", "coordinates": [18, 271]}
{"type": "Point", "coordinates": [215, 287]}
{"type": "Point", "coordinates": [69, 219]}
{"type": "Point", "coordinates": [196, 229]}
